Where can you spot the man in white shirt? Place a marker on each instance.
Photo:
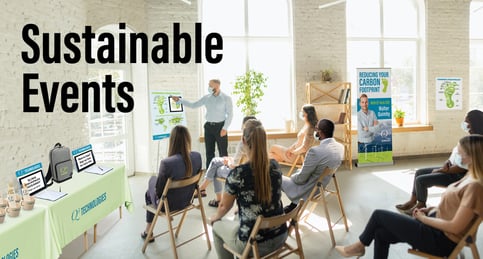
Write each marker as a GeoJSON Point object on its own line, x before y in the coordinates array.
{"type": "Point", "coordinates": [219, 114]}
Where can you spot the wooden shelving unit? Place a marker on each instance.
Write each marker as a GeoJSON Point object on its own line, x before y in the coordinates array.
{"type": "Point", "coordinates": [331, 99]}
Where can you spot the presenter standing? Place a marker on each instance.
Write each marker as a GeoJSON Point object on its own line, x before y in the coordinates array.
{"type": "Point", "coordinates": [219, 114]}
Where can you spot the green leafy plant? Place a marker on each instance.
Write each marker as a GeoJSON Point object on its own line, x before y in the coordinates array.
{"type": "Point", "coordinates": [249, 89]}
{"type": "Point", "coordinates": [398, 113]}
{"type": "Point", "coordinates": [327, 75]}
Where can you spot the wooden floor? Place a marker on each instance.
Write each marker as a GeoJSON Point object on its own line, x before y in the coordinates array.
{"type": "Point", "coordinates": [363, 190]}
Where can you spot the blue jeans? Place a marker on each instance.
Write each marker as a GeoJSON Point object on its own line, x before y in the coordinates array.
{"type": "Point", "coordinates": [216, 169]}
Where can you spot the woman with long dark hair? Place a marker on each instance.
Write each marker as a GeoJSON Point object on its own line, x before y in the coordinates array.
{"type": "Point", "coordinates": [305, 138]}
{"type": "Point", "coordinates": [180, 163]}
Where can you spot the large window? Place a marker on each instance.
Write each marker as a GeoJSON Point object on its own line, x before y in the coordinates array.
{"type": "Point", "coordinates": [476, 55]}
{"type": "Point", "coordinates": [256, 35]}
{"type": "Point", "coordinates": [388, 33]}
{"type": "Point", "coordinates": [110, 133]}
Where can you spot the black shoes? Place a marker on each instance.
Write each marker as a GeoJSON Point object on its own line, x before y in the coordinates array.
{"type": "Point", "coordinates": [144, 235]}
{"type": "Point", "coordinates": [289, 208]}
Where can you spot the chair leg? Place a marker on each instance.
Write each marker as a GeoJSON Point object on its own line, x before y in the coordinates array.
{"type": "Point", "coordinates": [311, 210]}
{"type": "Point", "coordinates": [120, 212]}
{"type": "Point", "coordinates": [474, 251]}
{"type": "Point", "coordinates": [203, 218]}
{"type": "Point", "coordinates": [150, 233]}
{"type": "Point", "coordinates": [291, 169]}
{"type": "Point", "coordinates": [299, 243]}
{"type": "Point", "coordinates": [180, 224]}
{"type": "Point", "coordinates": [172, 236]}
{"type": "Point", "coordinates": [329, 222]}
{"type": "Point", "coordinates": [341, 206]}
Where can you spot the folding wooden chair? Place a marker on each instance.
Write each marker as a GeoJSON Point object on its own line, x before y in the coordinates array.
{"type": "Point", "coordinates": [468, 239]}
{"type": "Point", "coordinates": [298, 162]}
{"type": "Point", "coordinates": [318, 195]}
{"type": "Point", "coordinates": [169, 215]}
{"type": "Point", "coordinates": [270, 222]}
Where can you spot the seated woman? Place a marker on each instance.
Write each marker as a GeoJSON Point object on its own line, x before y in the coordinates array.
{"type": "Point", "coordinates": [220, 167]}
{"type": "Point", "coordinates": [180, 163]}
{"type": "Point", "coordinates": [304, 137]}
{"type": "Point", "coordinates": [450, 172]}
{"type": "Point", "coordinates": [431, 230]}
{"type": "Point", "coordinates": [256, 187]}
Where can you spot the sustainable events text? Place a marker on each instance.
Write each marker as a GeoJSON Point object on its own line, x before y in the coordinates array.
{"type": "Point", "coordinates": [71, 48]}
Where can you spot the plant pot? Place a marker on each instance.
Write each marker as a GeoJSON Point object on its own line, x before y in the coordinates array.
{"type": "Point", "coordinates": [400, 121]}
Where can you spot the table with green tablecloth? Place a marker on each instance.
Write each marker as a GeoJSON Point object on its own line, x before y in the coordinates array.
{"type": "Point", "coordinates": [89, 199]}
{"type": "Point", "coordinates": [25, 236]}
{"type": "Point", "coordinates": [54, 224]}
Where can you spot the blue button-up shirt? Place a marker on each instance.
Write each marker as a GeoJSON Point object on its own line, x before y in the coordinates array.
{"type": "Point", "coordinates": [218, 108]}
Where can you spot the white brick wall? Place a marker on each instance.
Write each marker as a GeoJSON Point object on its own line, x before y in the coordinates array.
{"type": "Point", "coordinates": [26, 138]}
{"type": "Point", "coordinates": [319, 40]}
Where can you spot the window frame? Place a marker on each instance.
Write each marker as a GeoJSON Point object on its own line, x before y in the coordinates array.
{"type": "Point", "coordinates": [419, 76]}
{"type": "Point", "coordinates": [247, 40]}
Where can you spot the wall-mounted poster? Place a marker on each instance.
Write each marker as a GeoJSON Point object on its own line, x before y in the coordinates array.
{"type": "Point", "coordinates": [448, 93]}
{"type": "Point", "coordinates": [374, 116]}
{"type": "Point", "coordinates": [165, 113]}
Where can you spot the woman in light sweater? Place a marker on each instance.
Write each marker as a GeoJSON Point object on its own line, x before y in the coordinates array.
{"type": "Point", "coordinates": [304, 138]}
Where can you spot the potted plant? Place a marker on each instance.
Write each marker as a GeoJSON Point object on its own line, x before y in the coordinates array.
{"type": "Point", "coordinates": [249, 89]}
{"type": "Point", "coordinates": [327, 75]}
{"type": "Point", "coordinates": [399, 116]}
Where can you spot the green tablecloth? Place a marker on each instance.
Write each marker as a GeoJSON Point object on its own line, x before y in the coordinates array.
{"type": "Point", "coordinates": [24, 236]}
{"type": "Point", "coordinates": [53, 225]}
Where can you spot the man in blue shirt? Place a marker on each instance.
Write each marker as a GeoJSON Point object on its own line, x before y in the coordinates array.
{"type": "Point", "coordinates": [219, 114]}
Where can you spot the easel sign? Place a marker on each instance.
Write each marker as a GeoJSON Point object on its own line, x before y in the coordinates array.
{"type": "Point", "coordinates": [165, 113]}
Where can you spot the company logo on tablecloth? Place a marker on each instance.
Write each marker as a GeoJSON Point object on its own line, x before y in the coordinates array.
{"type": "Point", "coordinates": [77, 213]}
{"type": "Point", "coordinates": [12, 255]}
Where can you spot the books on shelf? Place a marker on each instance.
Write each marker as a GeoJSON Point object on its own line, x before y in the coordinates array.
{"type": "Point", "coordinates": [344, 95]}
{"type": "Point", "coordinates": [341, 118]}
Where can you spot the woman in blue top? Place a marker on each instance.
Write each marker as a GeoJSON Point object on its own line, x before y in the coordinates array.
{"type": "Point", "coordinates": [256, 187]}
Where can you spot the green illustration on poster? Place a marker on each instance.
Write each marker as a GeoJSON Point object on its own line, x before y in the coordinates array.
{"type": "Point", "coordinates": [448, 93]}
{"type": "Point", "coordinates": [165, 113]}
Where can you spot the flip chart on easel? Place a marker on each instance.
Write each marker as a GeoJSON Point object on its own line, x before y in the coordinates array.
{"type": "Point", "coordinates": [165, 113]}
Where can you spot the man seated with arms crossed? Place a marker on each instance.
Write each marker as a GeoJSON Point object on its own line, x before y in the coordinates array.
{"type": "Point", "coordinates": [328, 154]}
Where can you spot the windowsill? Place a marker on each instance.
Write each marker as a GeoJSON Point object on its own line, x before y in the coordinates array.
{"type": "Point", "coordinates": [405, 128]}
{"type": "Point", "coordinates": [278, 134]}
{"type": "Point", "coordinates": [275, 134]}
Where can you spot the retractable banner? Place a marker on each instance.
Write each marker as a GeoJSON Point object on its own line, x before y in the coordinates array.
{"type": "Point", "coordinates": [374, 116]}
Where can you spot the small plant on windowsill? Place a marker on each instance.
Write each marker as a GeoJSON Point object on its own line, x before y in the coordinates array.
{"type": "Point", "coordinates": [326, 75]}
{"type": "Point", "coordinates": [399, 116]}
